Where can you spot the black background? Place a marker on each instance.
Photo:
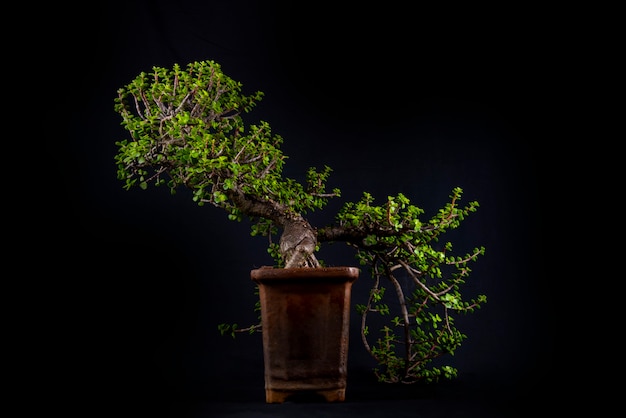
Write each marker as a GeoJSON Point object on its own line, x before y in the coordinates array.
{"type": "Point", "coordinates": [395, 99]}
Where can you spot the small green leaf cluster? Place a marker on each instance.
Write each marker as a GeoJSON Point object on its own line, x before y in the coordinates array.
{"type": "Point", "coordinates": [233, 329]}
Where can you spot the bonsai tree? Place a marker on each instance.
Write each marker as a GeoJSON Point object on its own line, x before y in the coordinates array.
{"type": "Point", "coordinates": [187, 130]}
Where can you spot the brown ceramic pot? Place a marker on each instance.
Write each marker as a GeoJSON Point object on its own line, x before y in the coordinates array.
{"type": "Point", "coordinates": [305, 314]}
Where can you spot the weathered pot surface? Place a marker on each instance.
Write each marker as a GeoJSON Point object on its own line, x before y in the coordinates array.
{"type": "Point", "coordinates": [305, 314]}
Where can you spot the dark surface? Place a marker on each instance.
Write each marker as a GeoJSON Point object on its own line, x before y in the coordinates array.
{"type": "Point", "coordinates": [393, 100]}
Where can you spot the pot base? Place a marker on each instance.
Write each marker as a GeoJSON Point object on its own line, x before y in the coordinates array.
{"type": "Point", "coordinates": [280, 396]}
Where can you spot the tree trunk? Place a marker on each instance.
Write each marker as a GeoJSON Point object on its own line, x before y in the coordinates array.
{"type": "Point", "coordinates": [297, 244]}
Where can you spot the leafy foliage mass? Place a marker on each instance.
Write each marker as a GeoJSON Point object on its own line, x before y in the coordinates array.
{"type": "Point", "coordinates": [187, 130]}
{"type": "Point", "coordinates": [424, 279]}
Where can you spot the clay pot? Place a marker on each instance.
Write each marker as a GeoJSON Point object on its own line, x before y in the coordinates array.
{"type": "Point", "coordinates": [305, 314]}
